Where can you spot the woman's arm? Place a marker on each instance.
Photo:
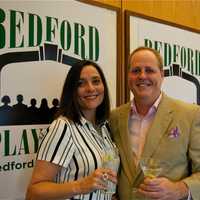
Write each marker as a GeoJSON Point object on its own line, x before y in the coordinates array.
{"type": "Point", "coordinates": [43, 187]}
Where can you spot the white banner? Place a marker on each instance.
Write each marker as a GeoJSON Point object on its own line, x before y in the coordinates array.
{"type": "Point", "coordinates": [39, 42]}
{"type": "Point", "coordinates": [180, 51]}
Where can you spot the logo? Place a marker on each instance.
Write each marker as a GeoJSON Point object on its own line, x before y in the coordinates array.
{"type": "Point", "coordinates": [179, 61]}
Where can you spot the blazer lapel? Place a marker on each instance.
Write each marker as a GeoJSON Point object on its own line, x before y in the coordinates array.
{"type": "Point", "coordinates": [157, 130]}
{"type": "Point", "coordinates": [159, 127]}
{"type": "Point", "coordinates": [128, 159]}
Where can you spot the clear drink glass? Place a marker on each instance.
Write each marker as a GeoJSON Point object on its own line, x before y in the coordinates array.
{"type": "Point", "coordinates": [110, 159]}
{"type": "Point", "coordinates": [151, 167]}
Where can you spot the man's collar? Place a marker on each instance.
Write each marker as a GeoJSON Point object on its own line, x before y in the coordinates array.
{"type": "Point", "coordinates": [153, 107]}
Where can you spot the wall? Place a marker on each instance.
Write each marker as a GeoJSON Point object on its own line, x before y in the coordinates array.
{"type": "Point", "coordinates": [182, 13]}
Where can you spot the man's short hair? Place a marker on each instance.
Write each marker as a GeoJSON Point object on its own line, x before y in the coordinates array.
{"type": "Point", "coordinates": [143, 48]}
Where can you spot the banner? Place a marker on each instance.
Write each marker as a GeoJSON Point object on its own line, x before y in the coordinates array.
{"type": "Point", "coordinates": [39, 42]}
{"type": "Point", "coordinates": [179, 48]}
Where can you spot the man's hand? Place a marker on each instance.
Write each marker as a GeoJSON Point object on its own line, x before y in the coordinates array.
{"type": "Point", "coordinates": [163, 189]}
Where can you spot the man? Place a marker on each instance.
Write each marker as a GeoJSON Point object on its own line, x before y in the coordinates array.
{"type": "Point", "coordinates": [154, 125]}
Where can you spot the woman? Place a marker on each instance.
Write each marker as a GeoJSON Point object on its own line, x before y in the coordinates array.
{"type": "Point", "coordinates": [69, 161]}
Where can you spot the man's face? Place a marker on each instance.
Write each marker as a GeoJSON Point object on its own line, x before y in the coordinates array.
{"type": "Point", "coordinates": [145, 77]}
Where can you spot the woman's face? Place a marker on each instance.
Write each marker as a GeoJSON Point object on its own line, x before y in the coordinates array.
{"type": "Point", "coordinates": [90, 90]}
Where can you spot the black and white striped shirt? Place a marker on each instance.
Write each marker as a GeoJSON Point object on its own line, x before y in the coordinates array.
{"type": "Point", "coordinates": [78, 148]}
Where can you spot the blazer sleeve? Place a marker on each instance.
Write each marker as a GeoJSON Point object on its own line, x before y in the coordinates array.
{"type": "Point", "coordinates": [193, 181]}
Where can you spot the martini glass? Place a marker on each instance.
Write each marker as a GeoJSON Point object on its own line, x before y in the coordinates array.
{"type": "Point", "coordinates": [151, 167]}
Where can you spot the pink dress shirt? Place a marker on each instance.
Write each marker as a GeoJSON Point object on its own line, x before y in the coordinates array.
{"type": "Point", "coordinates": [138, 127]}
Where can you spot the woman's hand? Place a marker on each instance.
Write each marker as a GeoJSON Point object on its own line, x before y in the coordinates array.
{"type": "Point", "coordinates": [96, 181]}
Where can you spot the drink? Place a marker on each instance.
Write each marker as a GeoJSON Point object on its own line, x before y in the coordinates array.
{"type": "Point", "coordinates": [111, 160]}
{"type": "Point", "coordinates": [151, 167]}
{"type": "Point", "coordinates": [151, 172]}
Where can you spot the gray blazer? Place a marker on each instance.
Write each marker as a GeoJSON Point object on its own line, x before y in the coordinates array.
{"type": "Point", "coordinates": [181, 150]}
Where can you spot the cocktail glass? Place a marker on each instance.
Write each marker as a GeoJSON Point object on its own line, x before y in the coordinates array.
{"type": "Point", "coordinates": [151, 167]}
{"type": "Point", "coordinates": [110, 159]}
